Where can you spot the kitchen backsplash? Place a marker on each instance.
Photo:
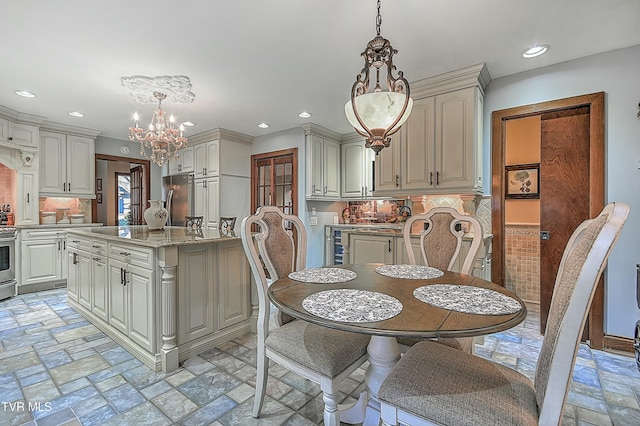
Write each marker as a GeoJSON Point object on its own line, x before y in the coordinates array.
{"type": "Point", "coordinates": [75, 205]}
{"type": "Point", "coordinates": [7, 185]}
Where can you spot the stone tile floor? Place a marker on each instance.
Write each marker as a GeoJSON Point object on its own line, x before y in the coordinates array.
{"type": "Point", "coordinates": [56, 368]}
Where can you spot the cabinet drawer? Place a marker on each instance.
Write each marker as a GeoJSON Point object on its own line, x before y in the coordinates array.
{"type": "Point", "coordinates": [80, 243]}
{"type": "Point", "coordinates": [132, 255]}
{"type": "Point", "coordinates": [42, 234]}
{"type": "Point", "coordinates": [98, 247]}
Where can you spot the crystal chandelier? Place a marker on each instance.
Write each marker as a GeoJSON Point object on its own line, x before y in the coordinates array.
{"type": "Point", "coordinates": [373, 112]}
{"type": "Point", "coordinates": [162, 140]}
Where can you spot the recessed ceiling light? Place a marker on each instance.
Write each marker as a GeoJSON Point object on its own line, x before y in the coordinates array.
{"type": "Point", "coordinates": [76, 114]}
{"type": "Point", "coordinates": [536, 50]}
{"type": "Point", "coordinates": [263, 125]}
{"type": "Point", "coordinates": [188, 124]}
{"type": "Point", "coordinates": [25, 94]}
{"type": "Point", "coordinates": [304, 114]}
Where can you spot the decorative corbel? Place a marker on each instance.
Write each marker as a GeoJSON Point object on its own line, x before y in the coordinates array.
{"type": "Point", "coordinates": [27, 157]}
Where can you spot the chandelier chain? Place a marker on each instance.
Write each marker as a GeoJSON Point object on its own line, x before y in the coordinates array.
{"type": "Point", "coordinates": [378, 20]}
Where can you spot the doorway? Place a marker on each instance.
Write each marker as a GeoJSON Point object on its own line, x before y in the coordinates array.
{"type": "Point", "coordinates": [566, 124]}
{"type": "Point", "coordinates": [114, 170]}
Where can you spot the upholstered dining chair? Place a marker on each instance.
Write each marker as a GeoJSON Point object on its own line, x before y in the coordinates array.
{"type": "Point", "coordinates": [440, 239]}
{"type": "Point", "coordinates": [320, 354]}
{"type": "Point", "coordinates": [436, 384]}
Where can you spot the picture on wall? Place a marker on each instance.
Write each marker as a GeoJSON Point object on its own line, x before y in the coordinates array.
{"type": "Point", "coordinates": [522, 181]}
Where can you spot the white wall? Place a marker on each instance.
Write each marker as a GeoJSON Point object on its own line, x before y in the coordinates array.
{"type": "Point", "coordinates": [617, 73]}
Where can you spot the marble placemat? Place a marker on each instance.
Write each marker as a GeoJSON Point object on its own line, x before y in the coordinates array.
{"type": "Point", "coordinates": [323, 275]}
{"type": "Point", "coordinates": [471, 300]}
{"type": "Point", "coordinates": [348, 305]}
{"type": "Point", "coordinates": [410, 272]}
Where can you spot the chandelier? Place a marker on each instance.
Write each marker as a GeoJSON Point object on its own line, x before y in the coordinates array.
{"type": "Point", "coordinates": [162, 140]}
{"type": "Point", "coordinates": [373, 112]}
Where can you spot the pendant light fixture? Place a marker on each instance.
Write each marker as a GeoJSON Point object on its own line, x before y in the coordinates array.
{"type": "Point", "coordinates": [373, 112]}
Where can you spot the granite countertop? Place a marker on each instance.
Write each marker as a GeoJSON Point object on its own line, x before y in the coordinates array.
{"type": "Point", "coordinates": [140, 235]}
{"type": "Point", "coordinates": [58, 225]}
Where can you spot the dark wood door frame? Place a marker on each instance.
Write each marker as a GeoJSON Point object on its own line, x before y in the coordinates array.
{"type": "Point", "coordinates": [146, 164]}
{"type": "Point", "coordinates": [595, 102]}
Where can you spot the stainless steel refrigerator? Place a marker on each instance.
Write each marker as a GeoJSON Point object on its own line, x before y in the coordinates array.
{"type": "Point", "coordinates": [178, 195]}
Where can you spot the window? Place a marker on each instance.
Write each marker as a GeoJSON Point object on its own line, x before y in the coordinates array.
{"type": "Point", "coordinates": [274, 177]}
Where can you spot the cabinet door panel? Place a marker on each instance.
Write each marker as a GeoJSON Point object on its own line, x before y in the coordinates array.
{"type": "Point", "coordinates": [418, 144]}
{"type": "Point", "coordinates": [352, 170]}
{"type": "Point", "coordinates": [371, 249]}
{"type": "Point", "coordinates": [331, 169]}
{"type": "Point", "coordinates": [84, 279]}
{"type": "Point", "coordinates": [196, 298]}
{"type": "Point", "coordinates": [233, 285]}
{"type": "Point", "coordinates": [314, 167]}
{"type": "Point", "coordinates": [80, 165]}
{"type": "Point", "coordinates": [72, 275]}
{"type": "Point", "coordinates": [40, 261]}
{"type": "Point", "coordinates": [52, 152]}
{"type": "Point", "coordinates": [213, 202]}
{"type": "Point", "coordinates": [118, 310]}
{"type": "Point", "coordinates": [99, 275]}
{"type": "Point", "coordinates": [140, 287]}
{"type": "Point", "coordinates": [455, 136]}
{"type": "Point", "coordinates": [387, 168]}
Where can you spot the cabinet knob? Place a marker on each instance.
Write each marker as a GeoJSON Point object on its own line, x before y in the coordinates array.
{"type": "Point", "coordinates": [397, 181]}
{"type": "Point", "coordinates": [430, 178]}
{"type": "Point", "coordinates": [125, 253]}
{"type": "Point", "coordinates": [389, 246]}
{"type": "Point", "coordinates": [10, 138]}
{"type": "Point", "coordinates": [437, 178]}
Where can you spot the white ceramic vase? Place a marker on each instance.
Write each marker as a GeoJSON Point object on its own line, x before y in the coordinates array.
{"type": "Point", "coordinates": [156, 215]}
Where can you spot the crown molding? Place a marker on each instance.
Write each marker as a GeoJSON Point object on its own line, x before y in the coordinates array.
{"type": "Point", "coordinates": [473, 76]}
{"type": "Point", "coordinates": [219, 134]}
{"type": "Point", "coordinates": [50, 126]}
{"type": "Point", "coordinates": [20, 117]}
{"type": "Point", "coordinates": [314, 129]}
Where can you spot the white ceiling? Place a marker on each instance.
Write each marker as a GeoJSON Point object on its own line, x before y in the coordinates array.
{"type": "Point", "coordinates": [266, 60]}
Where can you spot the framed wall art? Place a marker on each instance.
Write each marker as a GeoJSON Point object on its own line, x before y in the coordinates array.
{"type": "Point", "coordinates": [522, 181]}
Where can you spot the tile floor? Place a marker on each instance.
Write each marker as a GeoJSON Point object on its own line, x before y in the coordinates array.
{"type": "Point", "coordinates": [56, 368]}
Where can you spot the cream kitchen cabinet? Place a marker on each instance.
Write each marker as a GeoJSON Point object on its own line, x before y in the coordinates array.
{"type": "Point", "coordinates": [43, 256]}
{"type": "Point", "coordinates": [184, 163]}
{"type": "Point", "coordinates": [207, 161]}
{"type": "Point", "coordinates": [438, 150]}
{"type": "Point", "coordinates": [79, 269]}
{"type": "Point", "coordinates": [27, 198]}
{"type": "Point", "coordinates": [323, 164]}
{"type": "Point", "coordinates": [131, 307]}
{"type": "Point", "coordinates": [207, 201]}
{"type": "Point", "coordinates": [232, 286]}
{"type": "Point", "coordinates": [371, 248]}
{"type": "Point", "coordinates": [197, 266]}
{"type": "Point", "coordinates": [357, 172]}
{"type": "Point", "coordinates": [67, 165]}
{"type": "Point", "coordinates": [4, 130]}
{"type": "Point", "coordinates": [22, 134]}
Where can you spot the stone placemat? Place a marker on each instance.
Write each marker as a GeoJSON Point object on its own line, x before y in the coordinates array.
{"type": "Point", "coordinates": [323, 275]}
{"type": "Point", "coordinates": [410, 272]}
{"type": "Point", "coordinates": [471, 300]}
{"type": "Point", "coordinates": [348, 305]}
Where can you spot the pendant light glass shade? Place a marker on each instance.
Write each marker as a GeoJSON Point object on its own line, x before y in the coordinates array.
{"type": "Point", "coordinates": [379, 110]}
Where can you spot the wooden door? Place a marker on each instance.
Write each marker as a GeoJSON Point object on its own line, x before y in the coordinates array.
{"type": "Point", "coordinates": [135, 195]}
{"type": "Point", "coordinates": [564, 191]}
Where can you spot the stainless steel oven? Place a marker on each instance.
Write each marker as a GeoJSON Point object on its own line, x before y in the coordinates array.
{"type": "Point", "coordinates": [7, 261]}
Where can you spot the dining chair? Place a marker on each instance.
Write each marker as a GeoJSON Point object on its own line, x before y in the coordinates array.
{"type": "Point", "coordinates": [436, 384]}
{"type": "Point", "coordinates": [322, 355]}
{"type": "Point", "coordinates": [441, 230]}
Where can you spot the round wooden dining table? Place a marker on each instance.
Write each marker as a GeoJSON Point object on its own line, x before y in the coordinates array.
{"type": "Point", "coordinates": [394, 309]}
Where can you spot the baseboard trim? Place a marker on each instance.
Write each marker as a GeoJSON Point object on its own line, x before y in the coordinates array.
{"type": "Point", "coordinates": [622, 344]}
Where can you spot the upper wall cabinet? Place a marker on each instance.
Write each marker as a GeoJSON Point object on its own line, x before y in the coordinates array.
{"type": "Point", "coordinates": [23, 135]}
{"type": "Point", "coordinates": [207, 162]}
{"type": "Point", "coordinates": [67, 165]}
{"type": "Point", "coordinates": [4, 130]}
{"type": "Point", "coordinates": [184, 163]}
{"type": "Point", "coordinates": [357, 169]}
{"type": "Point", "coordinates": [323, 163]}
{"type": "Point", "coordinates": [439, 148]}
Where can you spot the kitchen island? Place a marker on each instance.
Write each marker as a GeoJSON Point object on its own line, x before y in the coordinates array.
{"type": "Point", "coordinates": [163, 295]}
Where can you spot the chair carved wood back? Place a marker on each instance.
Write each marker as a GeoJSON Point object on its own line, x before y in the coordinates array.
{"type": "Point", "coordinates": [440, 235]}
{"type": "Point", "coordinates": [277, 248]}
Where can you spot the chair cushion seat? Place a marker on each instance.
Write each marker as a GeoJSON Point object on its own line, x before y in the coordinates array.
{"type": "Point", "coordinates": [322, 349]}
{"type": "Point", "coordinates": [461, 343]}
{"type": "Point", "coordinates": [453, 387]}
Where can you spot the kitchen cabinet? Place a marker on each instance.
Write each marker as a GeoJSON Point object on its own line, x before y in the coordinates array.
{"type": "Point", "coordinates": [207, 161]}
{"type": "Point", "coordinates": [372, 248]}
{"type": "Point", "coordinates": [197, 296]}
{"type": "Point", "coordinates": [4, 130]}
{"type": "Point", "coordinates": [22, 134]}
{"type": "Point", "coordinates": [43, 256]}
{"type": "Point", "coordinates": [323, 164]}
{"type": "Point", "coordinates": [184, 163]}
{"type": "Point", "coordinates": [27, 204]}
{"type": "Point", "coordinates": [357, 170]}
{"type": "Point", "coordinates": [438, 149]}
{"type": "Point", "coordinates": [207, 201]}
{"type": "Point", "coordinates": [232, 285]}
{"type": "Point", "coordinates": [67, 165]}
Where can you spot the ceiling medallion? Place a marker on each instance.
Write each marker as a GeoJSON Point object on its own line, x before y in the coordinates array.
{"type": "Point", "coordinates": [176, 88]}
{"type": "Point", "coordinates": [373, 112]}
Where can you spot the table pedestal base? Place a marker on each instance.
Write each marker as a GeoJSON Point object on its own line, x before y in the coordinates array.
{"type": "Point", "coordinates": [383, 354]}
